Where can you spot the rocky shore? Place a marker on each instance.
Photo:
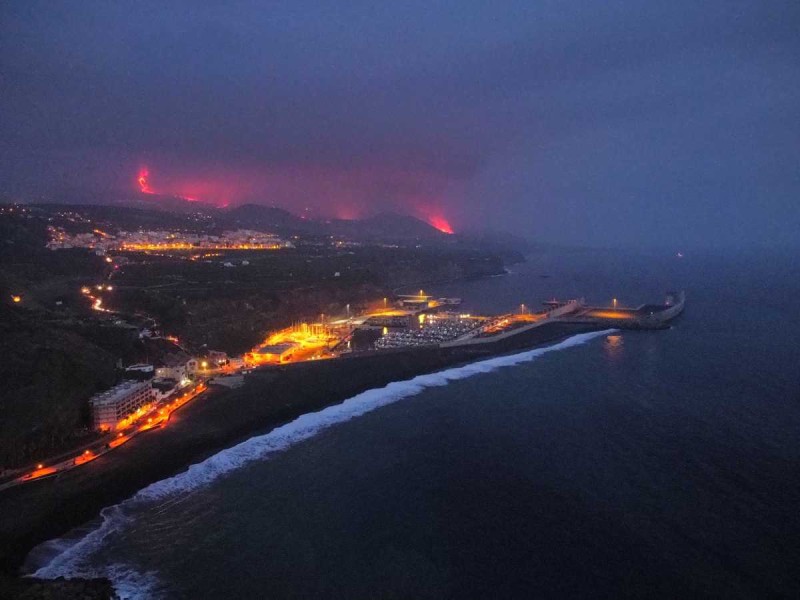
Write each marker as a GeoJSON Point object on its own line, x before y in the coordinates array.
{"type": "Point", "coordinates": [35, 512]}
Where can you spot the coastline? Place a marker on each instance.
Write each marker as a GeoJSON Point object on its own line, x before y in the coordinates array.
{"type": "Point", "coordinates": [273, 396]}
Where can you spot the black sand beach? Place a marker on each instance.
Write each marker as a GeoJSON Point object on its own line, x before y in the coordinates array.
{"type": "Point", "coordinates": [35, 512]}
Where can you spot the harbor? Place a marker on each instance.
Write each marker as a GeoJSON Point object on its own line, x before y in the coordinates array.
{"type": "Point", "coordinates": [271, 394]}
{"type": "Point", "coordinates": [416, 324]}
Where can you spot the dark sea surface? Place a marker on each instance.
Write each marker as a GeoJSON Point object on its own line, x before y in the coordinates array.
{"type": "Point", "coordinates": [636, 464]}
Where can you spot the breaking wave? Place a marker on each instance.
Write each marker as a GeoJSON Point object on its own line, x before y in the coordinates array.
{"type": "Point", "coordinates": [67, 559]}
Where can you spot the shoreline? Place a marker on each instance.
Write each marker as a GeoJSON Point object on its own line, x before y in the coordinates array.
{"type": "Point", "coordinates": [272, 396]}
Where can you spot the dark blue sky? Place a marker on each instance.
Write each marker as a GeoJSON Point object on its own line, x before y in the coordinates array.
{"type": "Point", "coordinates": [671, 123]}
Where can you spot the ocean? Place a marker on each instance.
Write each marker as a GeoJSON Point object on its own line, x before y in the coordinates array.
{"type": "Point", "coordinates": [613, 464]}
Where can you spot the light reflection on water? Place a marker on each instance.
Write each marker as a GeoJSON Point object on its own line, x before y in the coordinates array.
{"type": "Point", "coordinates": [614, 346]}
{"type": "Point", "coordinates": [624, 468]}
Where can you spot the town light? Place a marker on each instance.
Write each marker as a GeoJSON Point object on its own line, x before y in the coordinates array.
{"type": "Point", "coordinates": [40, 466]}
{"type": "Point", "coordinates": [16, 299]}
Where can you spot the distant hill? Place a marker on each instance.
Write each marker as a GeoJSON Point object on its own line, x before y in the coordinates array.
{"type": "Point", "coordinates": [127, 199]}
{"type": "Point", "coordinates": [258, 216]}
{"type": "Point", "coordinates": [387, 226]}
{"type": "Point", "coordinates": [148, 211]}
{"type": "Point", "coordinates": [382, 227]}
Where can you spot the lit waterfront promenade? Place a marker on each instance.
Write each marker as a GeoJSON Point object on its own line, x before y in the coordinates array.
{"type": "Point", "coordinates": [157, 416]}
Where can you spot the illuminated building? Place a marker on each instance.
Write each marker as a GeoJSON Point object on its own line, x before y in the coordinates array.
{"type": "Point", "coordinates": [177, 365]}
{"type": "Point", "coordinates": [146, 241]}
{"type": "Point", "coordinates": [163, 387]}
{"type": "Point", "coordinates": [111, 406]}
{"type": "Point", "coordinates": [275, 352]}
{"type": "Point", "coordinates": [212, 359]}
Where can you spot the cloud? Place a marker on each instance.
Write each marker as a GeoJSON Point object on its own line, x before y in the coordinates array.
{"type": "Point", "coordinates": [544, 117]}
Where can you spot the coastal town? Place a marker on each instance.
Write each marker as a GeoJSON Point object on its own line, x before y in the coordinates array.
{"type": "Point", "coordinates": [102, 242]}
{"type": "Point", "coordinates": [140, 341]}
{"type": "Point", "coordinates": [436, 300]}
{"type": "Point", "coordinates": [149, 283]}
{"type": "Point", "coordinates": [151, 392]}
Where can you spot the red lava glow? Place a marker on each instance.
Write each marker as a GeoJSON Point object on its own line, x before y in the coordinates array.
{"type": "Point", "coordinates": [441, 224]}
{"type": "Point", "coordinates": [142, 180]}
{"type": "Point", "coordinates": [346, 213]}
{"type": "Point", "coordinates": [324, 192]}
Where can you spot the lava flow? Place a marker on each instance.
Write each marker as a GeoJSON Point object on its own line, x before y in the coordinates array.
{"type": "Point", "coordinates": [441, 224]}
{"type": "Point", "coordinates": [142, 180]}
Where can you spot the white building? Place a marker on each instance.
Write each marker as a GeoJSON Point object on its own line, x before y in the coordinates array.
{"type": "Point", "coordinates": [178, 365]}
{"type": "Point", "coordinates": [111, 406]}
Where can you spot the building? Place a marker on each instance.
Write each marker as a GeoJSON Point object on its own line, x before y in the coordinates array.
{"type": "Point", "coordinates": [140, 372]}
{"type": "Point", "coordinates": [274, 352]}
{"type": "Point", "coordinates": [236, 362]}
{"type": "Point", "coordinates": [178, 366]}
{"type": "Point", "coordinates": [211, 359]}
{"type": "Point", "coordinates": [111, 406]}
{"type": "Point", "coordinates": [162, 388]}
{"type": "Point", "coordinates": [415, 301]}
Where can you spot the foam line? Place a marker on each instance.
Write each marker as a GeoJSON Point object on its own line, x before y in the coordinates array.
{"type": "Point", "coordinates": [67, 562]}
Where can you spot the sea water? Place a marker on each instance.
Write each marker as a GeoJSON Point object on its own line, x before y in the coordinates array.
{"type": "Point", "coordinates": [612, 464]}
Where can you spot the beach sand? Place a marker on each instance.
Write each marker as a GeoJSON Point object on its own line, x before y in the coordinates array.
{"type": "Point", "coordinates": [35, 512]}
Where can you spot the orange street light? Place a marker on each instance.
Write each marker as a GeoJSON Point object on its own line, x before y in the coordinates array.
{"type": "Point", "coordinates": [16, 299]}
